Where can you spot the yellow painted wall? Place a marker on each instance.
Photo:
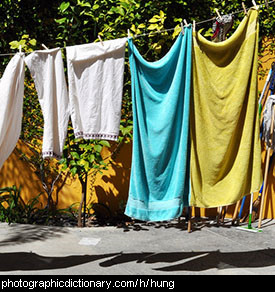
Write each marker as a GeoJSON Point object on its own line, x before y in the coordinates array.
{"type": "Point", "coordinates": [111, 188]}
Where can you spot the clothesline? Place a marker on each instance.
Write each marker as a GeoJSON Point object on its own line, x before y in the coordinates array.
{"type": "Point", "coordinates": [169, 102]}
{"type": "Point", "coordinates": [169, 29]}
{"type": "Point", "coordinates": [201, 22]}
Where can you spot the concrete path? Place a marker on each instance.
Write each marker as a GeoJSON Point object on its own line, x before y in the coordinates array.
{"type": "Point", "coordinates": [142, 249]}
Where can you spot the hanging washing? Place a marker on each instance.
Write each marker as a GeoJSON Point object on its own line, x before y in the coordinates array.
{"type": "Point", "coordinates": [224, 120]}
{"type": "Point", "coordinates": [159, 183]}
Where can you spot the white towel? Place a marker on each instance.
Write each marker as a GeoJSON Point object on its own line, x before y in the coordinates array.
{"type": "Point", "coordinates": [267, 118]}
{"type": "Point", "coordinates": [47, 70]}
{"type": "Point", "coordinates": [11, 105]}
{"type": "Point", "coordinates": [95, 76]}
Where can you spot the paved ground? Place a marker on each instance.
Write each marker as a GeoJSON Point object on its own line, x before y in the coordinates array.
{"type": "Point", "coordinates": [143, 249]}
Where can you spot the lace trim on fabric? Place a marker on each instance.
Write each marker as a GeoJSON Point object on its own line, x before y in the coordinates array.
{"type": "Point", "coordinates": [86, 136]}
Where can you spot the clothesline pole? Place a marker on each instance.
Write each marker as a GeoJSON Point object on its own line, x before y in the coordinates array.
{"type": "Point", "coordinates": [236, 212]}
{"type": "Point", "coordinates": [189, 219]}
{"type": "Point", "coordinates": [266, 167]}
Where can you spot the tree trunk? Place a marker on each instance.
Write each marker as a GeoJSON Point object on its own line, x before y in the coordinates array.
{"type": "Point", "coordinates": [83, 201]}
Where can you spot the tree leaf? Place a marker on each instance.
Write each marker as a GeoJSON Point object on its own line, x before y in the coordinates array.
{"type": "Point", "coordinates": [61, 20]}
{"type": "Point", "coordinates": [64, 6]}
{"type": "Point", "coordinates": [105, 143]}
{"type": "Point", "coordinates": [75, 155]}
{"type": "Point", "coordinates": [74, 171]}
{"type": "Point", "coordinates": [32, 42]}
{"type": "Point", "coordinates": [98, 148]}
{"type": "Point", "coordinates": [153, 27]}
{"type": "Point", "coordinates": [96, 6]}
{"type": "Point", "coordinates": [154, 19]}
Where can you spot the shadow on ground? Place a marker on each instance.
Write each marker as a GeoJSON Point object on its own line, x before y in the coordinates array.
{"type": "Point", "coordinates": [190, 261]}
{"type": "Point", "coordinates": [199, 261]}
{"type": "Point", "coordinates": [19, 234]}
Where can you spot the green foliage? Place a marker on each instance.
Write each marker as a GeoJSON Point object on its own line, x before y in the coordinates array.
{"type": "Point", "coordinates": [81, 156]}
{"type": "Point", "coordinates": [25, 43]}
{"type": "Point", "coordinates": [12, 207]}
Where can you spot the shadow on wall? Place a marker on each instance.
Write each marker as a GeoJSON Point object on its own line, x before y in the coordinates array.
{"type": "Point", "coordinates": [111, 188]}
{"type": "Point", "coordinates": [17, 172]}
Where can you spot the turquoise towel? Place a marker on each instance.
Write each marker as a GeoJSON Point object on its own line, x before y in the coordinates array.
{"type": "Point", "coordinates": [159, 184]}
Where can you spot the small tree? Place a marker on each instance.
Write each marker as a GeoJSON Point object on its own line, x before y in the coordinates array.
{"type": "Point", "coordinates": [81, 158]}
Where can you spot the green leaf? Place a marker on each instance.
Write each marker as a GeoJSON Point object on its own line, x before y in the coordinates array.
{"type": "Point", "coordinates": [121, 11]}
{"type": "Point", "coordinates": [84, 163]}
{"type": "Point", "coordinates": [14, 45]}
{"type": "Point", "coordinates": [141, 26]}
{"type": "Point", "coordinates": [154, 20]}
{"type": "Point", "coordinates": [98, 148]}
{"type": "Point", "coordinates": [61, 20]}
{"type": "Point", "coordinates": [95, 7]}
{"type": "Point", "coordinates": [153, 26]}
{"type": "Point", "coordinates": [176, 31]}
{"type": "Point", "coordinates": [22, 43]}
{"type": "Point", "coordinates": [91, 158]}
{"type": "Point", "coordinates": [75, 155]}
{"type": "Point", "coordinates": [209, 32]}
{"type": "Point", "coordinates": [74, 171]}
{"type": "Point", "coordinates": [161, 14]}
{"type": "Point", "coordinates": [105, 143]}
{"type": "Point", "coordinates": [32, 42]}
{"type": "Point", "coordinates": [64, 6]}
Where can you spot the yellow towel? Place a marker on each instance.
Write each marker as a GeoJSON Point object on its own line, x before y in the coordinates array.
{"type": "Point", "coordinates": [225, 134]}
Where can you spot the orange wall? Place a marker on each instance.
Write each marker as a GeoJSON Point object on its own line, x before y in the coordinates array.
{"type": "Point", "coordinates": [111, 188]}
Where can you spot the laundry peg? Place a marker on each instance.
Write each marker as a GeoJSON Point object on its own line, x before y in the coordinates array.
{"type": "Point", "coordinates": [129, 34]}
{"type": "Point", "coordinates": [182, 28]}
{"type": "Point", "coordinates": [255, 5]}
{"type": "Point", "coordinates": [100, 39]}
{"type": "Point", "coordinates": [46, 48]}
{"type": "Point", "coordinates": [185, 22]}
{"type": "Point", "coordinates": [20, 49]}
{"type": "Point", "coordinates": [194, 25]}
{"type": "Point", "coordinates": [244, 8]}
{"type": "Point", "coordinates": [218, 13]}
{"type": "Point", "coordinates": [266, 3]}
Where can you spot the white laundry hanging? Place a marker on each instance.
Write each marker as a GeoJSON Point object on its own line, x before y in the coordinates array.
{"type": "Point", "coordinates": [11, 109]}
{"type": "Point", "coordinates": [47, 70]}
{"type": "Point", "coordinates": [95, 77]}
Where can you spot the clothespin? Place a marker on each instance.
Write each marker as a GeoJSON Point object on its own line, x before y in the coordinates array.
{"type": "Point", "coordinates": [185, 24]}
{"type": "Point", "coordinates": [129, 34]}
{"type": "Point", "coordinates": [244, 8]}
{"type": "Point", "coordinates": [182, 28]}
{"type": "Point", "coordinates": [254, 4]}
{"type": "Point", "coordinates": [46, 48]}
{"type": "Point", "coordinates": [99, 37]}
{"type": "Point", "coordinates": [20, 49]}
{"type": "Point", "coordinates": [266, 3]}
{"type": "Point", "coordinates": [218, 13]}
{"type": "Point", "coordinates": [194, 25]}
